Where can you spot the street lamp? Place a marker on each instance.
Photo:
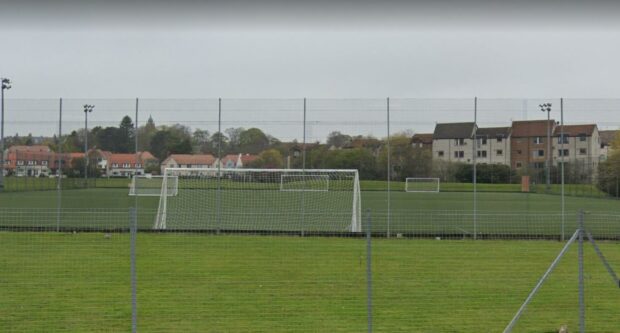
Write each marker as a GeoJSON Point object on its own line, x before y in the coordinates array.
{"type": "Point", "coordinates": [87, 109]}
{"type": "Point", "coordinates": [6, 85]}
{"type": "Point", "coordinates": [546, 107]}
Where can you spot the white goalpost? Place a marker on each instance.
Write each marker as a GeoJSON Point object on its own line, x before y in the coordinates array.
{"type": "Point", "coordinates": [313, 200]}
{"type": "Point", "coordinates": [414, 184]}
{"type": "Point", "coordinates": [151, 186]}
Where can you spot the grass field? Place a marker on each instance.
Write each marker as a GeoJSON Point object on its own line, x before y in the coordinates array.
{"type": "Point", "coordinates": [56, 282]}
{"type": "Point", "coordinates": [445, 212]}
{"type": "Point", "coordinates": [188, 282]}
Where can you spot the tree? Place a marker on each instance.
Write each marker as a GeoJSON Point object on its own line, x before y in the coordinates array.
{"type": "Point", "coordinates": [145, 134]}
{"type": "Point", "coordinates": [124, 142]}
{"type": "Point", "coordinates": [338, 139]}
{"type": "Point", "coordinates": [217, 139]}
{"type": "Point", "coordinates": [234, 136]}
{"type": "Point", "coordinates": [200, 141]}
{"type": "Point", "coordinates": [253, 141]}
{"type": "Point", "coordinates": [405, 160]}
{"type": "Point", "coordinates": [609, 170]}
{"type": "Point", "coordinates": [269, 159]}
{"type": "Point", "coordinates": [168, 140]}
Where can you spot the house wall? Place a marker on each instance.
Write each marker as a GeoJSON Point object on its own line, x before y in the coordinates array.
{"type": "Point", "coordinates": [491, 147]}
{"type": "Point", "coordinates": [449, 147]}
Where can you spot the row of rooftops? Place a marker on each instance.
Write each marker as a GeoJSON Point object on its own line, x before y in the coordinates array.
{"type": "Point", "coordinates": [522, 128]}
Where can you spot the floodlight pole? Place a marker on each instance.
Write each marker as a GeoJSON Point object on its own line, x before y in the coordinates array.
{"type": "Point", "coordinates": [546, 107]}
{"type": "Point", "coordinates": [87, 109]}
{"type": "Point", "coordinates": [5, 85]}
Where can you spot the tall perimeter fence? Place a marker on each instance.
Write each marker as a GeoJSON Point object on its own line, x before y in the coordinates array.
{"type": "Point", "coordinates": [452, 193]}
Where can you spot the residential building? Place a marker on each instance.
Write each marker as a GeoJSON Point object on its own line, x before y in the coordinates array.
{"type": "Point", "coordinates": [528, 143]}
{"type": "Point", "coordinates": [581, 146]}
{"type": "Point", "coordinates": [452, 142]}
{"type": "Point", "coordinates": [493, 145]}
{"type": "Point", "coordinates": [30, 161]}
{"type": "Point", "coordinates": [422, 140]}
{"type": "Point", "coordinates": [189, 161]}
{"type": "Point", "coordinates": [127, 165]}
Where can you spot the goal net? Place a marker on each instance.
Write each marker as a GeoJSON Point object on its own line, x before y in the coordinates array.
{"type": "Point", "coordinates": [422, 185]}
{"type": "Point", "coordinates": [261, 200]}
{"type": "Point", "coordinates": [151, 186]}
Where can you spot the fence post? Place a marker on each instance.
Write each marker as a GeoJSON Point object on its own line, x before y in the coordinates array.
{"type": "Point", "coordinates": [475, 178]}
{"type": "Point", "coordinates": [303, 167]}
{"type": "Point", "coordinates": [59, 169]}
{"type": "Point", "coordinates": [219, 165]}
{"type": "Point", "coordinates": [369, 269]}
{"type": "Point", "coordinates": [389, 170]}
{"type": "Point", "coordinates": [133, 230]}
{"type": "Point", "coordinates": [582, 308]}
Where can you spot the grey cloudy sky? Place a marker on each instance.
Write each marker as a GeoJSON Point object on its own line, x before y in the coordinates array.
{"type": "Point", "coordinates": [178, 49]}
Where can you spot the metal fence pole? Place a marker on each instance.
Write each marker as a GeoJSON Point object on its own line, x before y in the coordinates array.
{"type": "Point", "coordinates": [303, 193]}
{"type": "Point", "coordinates": [59, 169]}
{"type": "Point", "coordinates": [475, 179]}
{"type": "Point", "coordinates": [219, 166]}
{"type": "Point", "coordinates": [136, 128]}
{"type": "Point", "coordinates": [369, 268]}
{"type": "Point", "coordinates": [582, 308]}
{"type": "Point", "coordinates": [133, 230]}
{"type": "Point", "coordinates": [389, 171]}
{"type": "Point", "coordinates": [562, 160]}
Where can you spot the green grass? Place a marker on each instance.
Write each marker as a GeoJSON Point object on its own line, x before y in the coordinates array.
{"type": "Point", "coordinates": [199, 283]}
{"type": "Point", "coordinates": [444, 212]}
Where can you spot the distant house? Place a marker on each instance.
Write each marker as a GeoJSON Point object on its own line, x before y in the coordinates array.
{"type": "Point", "coordinates": [29, 161]}
{"type": "Point", "coordinates": [422, 140]}
{"type": "Point", "coordinates": [606, 138]}
{"type": "Point", "coordinates": [581, 144]}
{"type": "Point", "coordinates": [127, 165]}
{"type": "Point", "coordinates": [236, 161]}
{"type": "Point", "coordinates": [493, 145]}
{"type": "Point", "coordinates": [452, 142]}
{"type": "Point", "coordinates": [188, 161]}
{"type": "Point", "coordinates": [528, 143]}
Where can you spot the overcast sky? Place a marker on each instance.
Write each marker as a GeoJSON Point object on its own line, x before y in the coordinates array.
{"type": "Point", "coordinates": [264, 49]}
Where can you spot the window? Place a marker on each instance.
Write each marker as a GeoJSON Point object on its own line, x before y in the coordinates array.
{"type": "Point", "coordinates": [20, 162]}
{"type": "Point", "coordinates": [583, 151]}
{"type": "Point", "coordinates": [440, 153]}
{"type": "Point", "coordinates": [499, 152]}
{"type": "Point", "coordinates": [459, 154]}
{"type": "Point", "coordinates": [482, 153]}
{"type": "Point", "coordinates": [459, 142]}
{"type": "Point", "coordinates": [582, 137]}
{"type": "Point", "coordinates": [115, 165]}
{"type": "Point", "coordinates": [519, 164]}
{"type": "Point", "coordinates": [500, 139]}
{"type": "Point", "coordinates": [126, 165]}
{"type": "Point", "coordinates": [538, 140]}
{"type": "Point", "coordinates": [519, 152]}
{"type": "Point", "coordinates": [482, 141]}
{"type": "Point", "coordinates": [563, 152]}
{"type": "Point", "coordinates": [539, 165]}
{"type": "Point", "coordinates": [539, 153]}
{"type": "Point", "coordinates": [138, 165]}
{"type": "Point", "coordinates": [30, 162]}
{"type": "Point", "coordinates": [43, 162]}
{"type": "Point", "coordinates": [565, 137]}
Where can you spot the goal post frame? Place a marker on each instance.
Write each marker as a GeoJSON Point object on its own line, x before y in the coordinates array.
{"type": "Point", "coordinates": [303, 176]}
{"type": "Point", "coordinates": [434, 180]}
{"type": "Point", "coordinates": [134, 187]}
{"type": "Point", "coordinates": [356, 216]}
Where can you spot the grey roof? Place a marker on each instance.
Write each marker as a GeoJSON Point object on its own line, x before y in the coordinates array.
{"type": "Point", "coordinates": [493, 132]}
{"type": "Point", "coordinates": [453, 131]}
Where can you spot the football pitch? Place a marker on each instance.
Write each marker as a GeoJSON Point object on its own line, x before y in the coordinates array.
{"type": "Point", "coordinates": [202, 282]}
{"type": "Point", "coordinates": [56, 282]}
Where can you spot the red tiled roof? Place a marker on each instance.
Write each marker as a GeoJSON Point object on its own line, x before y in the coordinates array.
{"type": "Point", "coordinates": [575, 130]}
{"type": "Point", "coordinates": [531, 128]}
{"type": "Point", "coordinates": [189, 159]}
{"type": "Point", "coordinates": [121, 159]}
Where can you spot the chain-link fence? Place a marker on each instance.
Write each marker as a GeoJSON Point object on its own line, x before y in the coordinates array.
{"type": "Point", "coordinates": [253, 215]}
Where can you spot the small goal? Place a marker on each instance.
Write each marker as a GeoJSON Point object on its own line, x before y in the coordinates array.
{"type": "Point", "coordinates": [152, 186]}
{"type": "Point", "coordinates": [422, 185]}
